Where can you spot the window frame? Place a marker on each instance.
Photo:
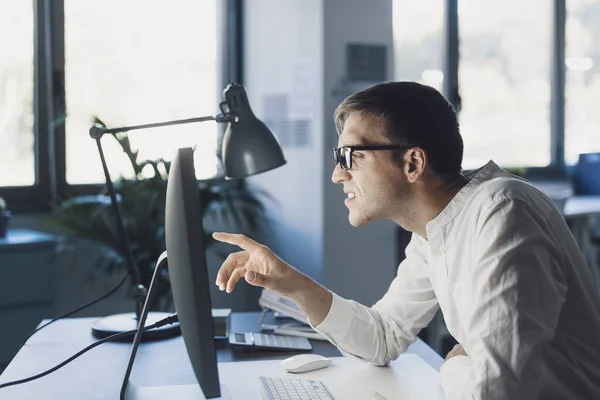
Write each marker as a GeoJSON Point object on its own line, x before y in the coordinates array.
{"type": "Point", "coordinates": [49, 102]}
{"type": "Point", "coordinates": [557, 169]}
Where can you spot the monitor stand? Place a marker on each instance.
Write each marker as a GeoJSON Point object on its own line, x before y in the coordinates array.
{"type": "Point", "coordinates": [179, 392]}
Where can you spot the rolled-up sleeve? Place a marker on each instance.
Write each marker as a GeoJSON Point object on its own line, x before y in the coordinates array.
{"type": "Point", "coordinates": [379, 334]}
{"type": "Point", "coordinates": [517, 290]}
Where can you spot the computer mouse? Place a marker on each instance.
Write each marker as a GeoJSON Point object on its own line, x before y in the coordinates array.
{"type": "Point", "coordinates": [305, 363]}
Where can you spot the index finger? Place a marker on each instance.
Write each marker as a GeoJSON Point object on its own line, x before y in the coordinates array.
{"type": "Point", "coordinates": [236, 239]}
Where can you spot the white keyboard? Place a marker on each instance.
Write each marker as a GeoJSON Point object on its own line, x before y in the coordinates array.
{"type": "Point", "coordinates": [293, 389]}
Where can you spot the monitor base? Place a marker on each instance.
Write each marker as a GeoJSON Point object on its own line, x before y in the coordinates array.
{"type": "Point", "coordinates": [104, 327]}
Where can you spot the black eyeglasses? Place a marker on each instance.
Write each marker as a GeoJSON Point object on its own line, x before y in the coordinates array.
{"type": "Point", "coordinates": [343, 155]}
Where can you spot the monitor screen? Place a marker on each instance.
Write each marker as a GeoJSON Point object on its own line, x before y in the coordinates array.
{"type": "Point", "coordinates": [187, 270]}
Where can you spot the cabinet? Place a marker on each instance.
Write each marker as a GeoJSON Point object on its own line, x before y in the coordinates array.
{"type": "Point", "coordinates": [27, 286]}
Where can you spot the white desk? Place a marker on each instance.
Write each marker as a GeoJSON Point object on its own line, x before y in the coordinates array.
{"type": "Point", "coordinates": [561, 192]}
{"type": "Point", "coordinates": [407, 378]}
{"type": "Point", "coordinates": [582, 205]}
{"type": "Point", "coordinates": [582, 214]}
{"type": "Point", "coordinates": [98, 374]}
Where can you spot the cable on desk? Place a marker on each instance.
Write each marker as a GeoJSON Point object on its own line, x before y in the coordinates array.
{"type": "Point", "coordinates": [165, 321]}
{"type": "Point", "coordinates": [75, 310]}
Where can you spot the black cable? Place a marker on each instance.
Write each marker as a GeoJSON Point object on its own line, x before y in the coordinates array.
{"type": "Point", "coordinates": [169, 320]}
{"type": "Point", "coordinates": [75, 310]}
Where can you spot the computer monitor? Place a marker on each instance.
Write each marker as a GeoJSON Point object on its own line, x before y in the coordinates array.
{"type": "Point", "coordinates": [186, 260]}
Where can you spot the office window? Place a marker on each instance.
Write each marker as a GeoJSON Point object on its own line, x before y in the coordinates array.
{"type": "Point", "coordinates": [582, 79]}
{"type": "Point", "coordinates": [419, 41]}
{"type": "Point", "coordinates": [504, 81]}
{"type": "Point", "coordinates": [136, 62]}
{"type": "Point", "coordinates": [17, 152]}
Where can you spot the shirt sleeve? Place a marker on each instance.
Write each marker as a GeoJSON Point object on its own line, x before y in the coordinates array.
{"type": "Point", "coordinates": [518, 290]}
{"type": "Point", "coordinates": [381, 333]}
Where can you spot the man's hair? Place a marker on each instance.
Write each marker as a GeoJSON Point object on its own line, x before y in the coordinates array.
{"type": "Point", "coordinates": [412, 114]}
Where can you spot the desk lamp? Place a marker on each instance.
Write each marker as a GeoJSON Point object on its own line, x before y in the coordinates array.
{"type": "Point", "coordinates": [249, 148]}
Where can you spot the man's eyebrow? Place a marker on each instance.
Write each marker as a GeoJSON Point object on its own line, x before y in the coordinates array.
{"type": "Point", "coordinates": [352, 142]}
{"type": "Point", "coordinates": [363, 143]}
{"type": "Point", "coordinates": [353, 145]}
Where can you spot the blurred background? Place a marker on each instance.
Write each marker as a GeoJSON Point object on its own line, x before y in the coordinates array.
{"type": "Point", "coordinates": [524, 77]}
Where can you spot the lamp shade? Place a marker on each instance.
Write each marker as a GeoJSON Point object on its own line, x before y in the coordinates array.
{"type": "Point", "coordinates": [249, 147]}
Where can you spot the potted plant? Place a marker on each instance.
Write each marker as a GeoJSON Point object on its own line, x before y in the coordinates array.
{"type": "Point", "coordinates": [518, 171]}
{"type": "Point", "coordinates": [232, 204]}
{"type": "Point", "coordinates": [4, 218]}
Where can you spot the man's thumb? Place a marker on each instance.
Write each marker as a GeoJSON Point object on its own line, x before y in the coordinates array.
{"type": "Point", "coordinates": [255, 278]}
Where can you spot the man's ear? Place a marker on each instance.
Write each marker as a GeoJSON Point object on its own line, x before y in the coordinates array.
{"type": "Point", "coordinates": [416, 161]}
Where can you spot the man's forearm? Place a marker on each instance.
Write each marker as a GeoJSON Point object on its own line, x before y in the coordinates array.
{"type": "Point", "coordinates": [314, 299]}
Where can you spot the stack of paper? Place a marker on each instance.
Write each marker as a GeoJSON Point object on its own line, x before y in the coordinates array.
{"type": "Point", "coordinates": [287, 318]}
{"type": "Point", "coordinates": [273, 301]}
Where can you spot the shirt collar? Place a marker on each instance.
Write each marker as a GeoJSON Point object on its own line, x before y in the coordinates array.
{"type": "Point", "coordinates": [460, 199]}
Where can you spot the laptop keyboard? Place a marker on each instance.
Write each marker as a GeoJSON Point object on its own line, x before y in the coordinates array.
{"type": "Point", "coordinates": [269, 340]}
{"type": "Point", "coordinates": [293, 389]}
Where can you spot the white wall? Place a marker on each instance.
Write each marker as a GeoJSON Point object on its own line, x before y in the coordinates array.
{"type": "Point", "coordinates": [283, 39]}
{"type": "Point", "coordinates": [358, 263]}
{"type": "Point", "coordinates": [314, 234]}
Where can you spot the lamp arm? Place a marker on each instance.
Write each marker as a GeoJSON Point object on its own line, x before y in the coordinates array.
{"type": "Point", "coordinates": [97, 131]}
{"type": "Point", "coordinates": [140, 290]}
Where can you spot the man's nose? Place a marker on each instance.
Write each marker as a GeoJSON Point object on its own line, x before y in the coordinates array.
{"type": "Point", "coordinates": [339, 175]}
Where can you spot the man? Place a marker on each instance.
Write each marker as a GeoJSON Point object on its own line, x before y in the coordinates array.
{"type": "Point", "coordinates": [489, 249]}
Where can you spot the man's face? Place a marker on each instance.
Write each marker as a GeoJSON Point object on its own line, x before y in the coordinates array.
{"type": "Point", "coordinates": [375, 185]}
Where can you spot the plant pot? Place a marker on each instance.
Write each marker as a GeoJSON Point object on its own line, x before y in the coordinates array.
{"type": "Point", "coordinates": [4, 222]}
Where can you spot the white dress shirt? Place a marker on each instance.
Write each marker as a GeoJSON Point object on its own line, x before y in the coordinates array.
{"type": "Point", "coordinates": [514, 291]}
